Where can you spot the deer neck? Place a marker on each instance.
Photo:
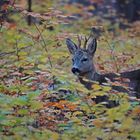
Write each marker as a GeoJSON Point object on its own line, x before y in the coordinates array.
{"type": "Point", "coordinates": [92, 74]}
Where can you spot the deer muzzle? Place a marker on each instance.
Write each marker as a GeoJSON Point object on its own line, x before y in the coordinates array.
{"type": "Point", "coordinates": [75, 71]}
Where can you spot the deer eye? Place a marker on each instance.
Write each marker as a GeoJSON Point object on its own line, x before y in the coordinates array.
{"type": "Point", "coordinates": [84, 60]}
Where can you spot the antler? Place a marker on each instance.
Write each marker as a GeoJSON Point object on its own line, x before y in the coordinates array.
{"type": "Point", "coordinates": [79, 40]}
{"type": "Point", "coordinates": [86, 40]}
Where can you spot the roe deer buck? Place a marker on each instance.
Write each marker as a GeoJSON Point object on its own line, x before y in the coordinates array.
{"type": "Point", "coordinates": [83, 66]}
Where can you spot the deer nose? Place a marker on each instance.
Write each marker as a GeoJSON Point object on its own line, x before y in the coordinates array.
{"type": "Point", "coordinates": [75, 70]}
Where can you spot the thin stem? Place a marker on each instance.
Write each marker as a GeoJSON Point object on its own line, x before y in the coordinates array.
{"type": "Point", "coordinates": [17, 50]}
{"type": "Point", "coordinates": [1, 26]}
{"type": "Point", "coordinates": [29, 10]}
{"type": "Point", "coordinates": [13, 2]}
{"type": "Point", "coordinates": [112, 55]}
{"type": "Point", "coordinates": [44, 44]}
{"type": "Point", "coordinates": [18, 59]}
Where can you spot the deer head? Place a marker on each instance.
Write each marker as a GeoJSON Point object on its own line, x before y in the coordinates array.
{"type": "Point", "coordinates": [82, 57]}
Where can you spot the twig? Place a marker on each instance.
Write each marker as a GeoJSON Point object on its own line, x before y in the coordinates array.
{"type": "Point", "coordinates": [17, 50]}
{"type": "Point", "coordinates": [112, 55]}
{"type": "Point", "coordinates": [12, 4]}
{"type": "Point", "coordinates": [45, 45]}
{"type": "Point", "coordinates": [12, 52]}
{"type": "Point", "coordinates": [1, 25]}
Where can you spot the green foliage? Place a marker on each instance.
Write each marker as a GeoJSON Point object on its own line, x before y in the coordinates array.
{"type": "Point", "coordinates": [41, 99]}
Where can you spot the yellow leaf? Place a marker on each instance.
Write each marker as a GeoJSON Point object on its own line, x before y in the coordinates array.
{"type": "Point", "coordinates": [106, 88]}
{"type": "Point", "coordinates": [77, 113]}
{"type": "Point", "coordinates": [136, 110]}
{"type": "Point", "coordinates": [91, 7]}
{"type": "Point", "coordinates": [96, 87]}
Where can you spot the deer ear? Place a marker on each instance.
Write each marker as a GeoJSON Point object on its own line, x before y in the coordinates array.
{"type": "Point", "coordinates": [92, 45]}
{"type": "Point", "coordinates": [71, 46]}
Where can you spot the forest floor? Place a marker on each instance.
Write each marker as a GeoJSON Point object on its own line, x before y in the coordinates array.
{"type": "Point", "coordinates": [39, 96]}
